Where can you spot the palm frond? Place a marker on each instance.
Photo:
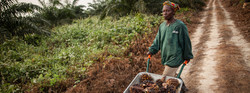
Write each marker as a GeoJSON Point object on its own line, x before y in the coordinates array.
{"type": "Point", "coordinates": [25, 7]}
{"type": "Point", "coordinates": [38, 20]}
{"type": "Point", "coordinates": [13, 22]}
{"type": "Point", "coordinates": [42, 3]}
{"type": "Point", "coordinates": [55, 3]}
{"type": "Point", "coordinates": [4, 4]}
{"type": "Point", "coordinates": [30, 26]}
{"type": "Point", "coordinates": [74, 2]}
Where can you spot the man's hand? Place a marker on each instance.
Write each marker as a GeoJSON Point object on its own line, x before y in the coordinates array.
{"type": "Point", "coordinates": [148, 53]}
{"type": "Point", "coordinates": [187, 60]}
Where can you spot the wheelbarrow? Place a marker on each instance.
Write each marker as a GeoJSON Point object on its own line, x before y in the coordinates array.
{"type": "Point", "coordinates": [155, 77]}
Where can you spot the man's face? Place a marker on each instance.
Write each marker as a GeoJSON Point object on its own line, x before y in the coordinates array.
{"type": "Point", "coordinates": [167, 12]}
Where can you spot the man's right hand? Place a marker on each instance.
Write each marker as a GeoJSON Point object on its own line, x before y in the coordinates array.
{"type": "Point", "coordinates": [149, 53]}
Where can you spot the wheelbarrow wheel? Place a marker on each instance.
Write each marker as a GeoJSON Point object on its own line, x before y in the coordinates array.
{"type": "Point", "coordinates": [183, 88]}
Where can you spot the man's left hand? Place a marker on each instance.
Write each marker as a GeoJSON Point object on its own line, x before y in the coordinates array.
{"type": "Point", "coordinates": [188, 60]}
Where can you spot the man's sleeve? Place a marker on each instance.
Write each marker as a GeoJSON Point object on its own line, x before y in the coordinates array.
{"type": "Point", "coordinates": [185, 42]}
{"type": "Point", "coordinates": [155, 47]}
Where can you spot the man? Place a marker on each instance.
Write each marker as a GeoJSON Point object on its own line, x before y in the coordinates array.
{"type": "Point", "coordinates": [173, 41]}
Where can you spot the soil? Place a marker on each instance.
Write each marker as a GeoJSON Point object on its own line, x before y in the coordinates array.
{"type": "Point", "coordinates": [239, 15]}
{"type": "Point", "coordinates": [234, 51]}
{"type": "Point", "coordinates": [223, 54]}
{"type": "Point", "coordinates": [220, 39]}
{"type": "Point", "coordinates": [116, 73]}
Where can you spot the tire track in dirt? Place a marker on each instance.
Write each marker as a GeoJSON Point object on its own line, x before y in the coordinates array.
{"type": "Point", "coordinates": [199, 38]}
{"type": "Point", "coordinates": [239, 15]}
{"type": "Point", "coordinates": [208, 76]}
{"type": "Point", "coordinates": [195, 37]}
{"type": "Point", "coordinates": [221, 62]}
{"type": "Point", "coordinates": [233, 55]}
{"type": "Point", "coordinates": [237, 38]}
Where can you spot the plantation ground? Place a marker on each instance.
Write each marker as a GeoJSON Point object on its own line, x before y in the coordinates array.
{"type": "Point", "coordinates": [52, 64]}
{"type": "Point", "coordinates": [220, 39]}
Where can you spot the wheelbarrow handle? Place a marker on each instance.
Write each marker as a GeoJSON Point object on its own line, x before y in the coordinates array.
{"type": "Point", "coordinates": [184, 64]}
{"type": "Point", "coordinates": [149, 57]}
{"type": "Point", "coordinates": [178, 76]}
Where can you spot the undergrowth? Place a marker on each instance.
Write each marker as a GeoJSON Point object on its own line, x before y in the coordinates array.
{"type": "Point", "coordinates": [43, 61]}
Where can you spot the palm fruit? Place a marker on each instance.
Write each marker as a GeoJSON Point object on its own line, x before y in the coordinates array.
{"type": "Point", "coordinates": [149, 90]}
{"type": "Point", "coordinates": [146, 83]}
{"type": "Point", "coordinates": [136, 89]}
{"type": "Point", "coordinates": [152, 89]}
{"type": "Point", "coordinates": [159, 82]}
{"type": "Point", "coordinates": [156, 88]}
{"type": "Point", "coordinates": [164, 85]}
{"type": "Point", "coordinates": [163, 90]}
{"type": "Point", "coordinates": [146, 77]}
{"type": "Point", "coordinates": [173, 82]}
{"type": "Point", "coordinates": [171, 89]}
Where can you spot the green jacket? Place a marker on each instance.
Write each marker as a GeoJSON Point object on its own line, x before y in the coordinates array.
{"type": "Point", "coordinates": [174, 43]}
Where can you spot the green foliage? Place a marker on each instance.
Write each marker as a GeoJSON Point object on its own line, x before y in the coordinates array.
{"type": "Point", "coordinates": [187, 16]}
{"type": "Point", "coordinates": [67, 52]}
{"type": "Point", "coordinates": [124, 7]}
{"type": "Point", "coordinates": [193, 4]}
{"type": "Point", "coordinates": [58, 13]}
{"type": "Point", "coordinates": [118, 8]}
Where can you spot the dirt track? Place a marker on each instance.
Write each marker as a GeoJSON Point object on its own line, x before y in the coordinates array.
{"type": "Point", "coordinates": [222, 55]}
{"type": "Point", "coordinates": [221, 58]}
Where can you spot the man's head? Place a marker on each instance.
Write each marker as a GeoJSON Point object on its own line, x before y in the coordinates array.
{"type": "Point", "coordinates": [169, 9]}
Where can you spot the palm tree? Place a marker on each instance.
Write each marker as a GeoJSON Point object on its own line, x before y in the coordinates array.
{"type": "Point", "coordinates": [49, 12]}
{"type": "Point", "coordinates": [77, 9]}
{"type": "Point", "coordinates": [120, 7]}
{"type": "Point", "coordinates": [96, 8]}
{"type": "Point", "coordinates": [117, 8]}
{"type": "Point", "coordinates": [57, 13]}
{"type": "Point", "coordinates": [15, 19]}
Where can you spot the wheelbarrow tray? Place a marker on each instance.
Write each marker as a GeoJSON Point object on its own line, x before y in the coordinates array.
{"type": "Point", "coordinates": [155, 77]}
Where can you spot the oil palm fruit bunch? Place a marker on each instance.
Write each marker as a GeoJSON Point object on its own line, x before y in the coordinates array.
{"type": "Point", "coordinates": [147, 85]}
{"type": "Point", "coordinates": [159, 82]}
{"type": "Point", "coordinates": [136, 88]}
{"type": "Point", "coordinates": [145, 77]}
{"type": "Point", "coordinates": [153, 89]}
{"type": "Point", "coordinates": [173, 82]}
{"type": "Point", "coordinates": [171, 89]}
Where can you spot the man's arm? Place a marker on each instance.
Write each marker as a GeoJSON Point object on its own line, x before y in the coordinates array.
{"type": "Point", "coordinates": [185, 42]}
{"type": "Point", "coordinates": [155, 47]}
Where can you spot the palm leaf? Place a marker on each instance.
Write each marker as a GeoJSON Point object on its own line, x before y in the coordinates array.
{"type": "Point", "coordinates": [13, 21]}
{"type": "Point", "coordinates": [42, 3]}
{"type": "Point", "coordinates": [74, 2]}
{"type": "Point", "coordinates": [23, 8]}
{"type": "Point", "coordinates": [23, 22]}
